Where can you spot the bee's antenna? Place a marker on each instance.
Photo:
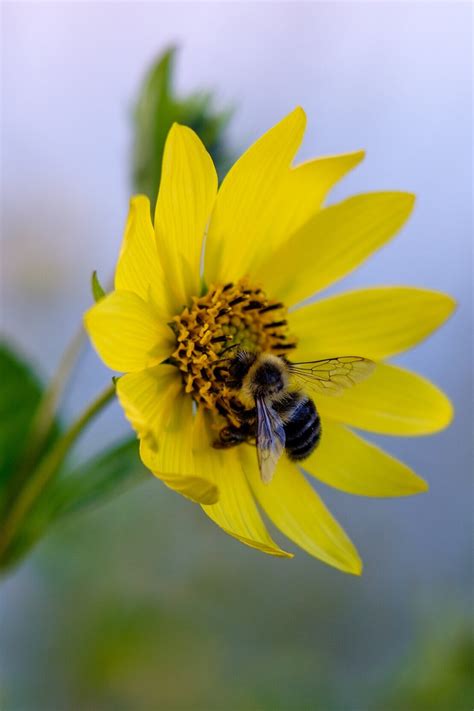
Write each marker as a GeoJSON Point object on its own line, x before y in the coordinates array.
{"type": "Point", "coordinates": [228, 348]}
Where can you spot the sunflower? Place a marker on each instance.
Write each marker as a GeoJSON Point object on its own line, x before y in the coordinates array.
{"type": "Point", "coordinates": [232, 265]}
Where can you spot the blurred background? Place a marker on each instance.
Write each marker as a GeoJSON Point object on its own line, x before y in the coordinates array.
{"type": "Point", "coordinates": [143, 603]}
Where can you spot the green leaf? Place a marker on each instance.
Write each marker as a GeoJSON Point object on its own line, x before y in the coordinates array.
{"type": "Point", "coordinates": [95, 481]}
{"type": "Point", "coordinates": [97, 291]}
{"type": "Point", "coordinates": [20, 395]}
{"type": "Point", "coordinates": [157, 109]}
{"type": "Point", "coordinates": [21, 451]}
{"type": "Point", "coordinates": [91, 484]}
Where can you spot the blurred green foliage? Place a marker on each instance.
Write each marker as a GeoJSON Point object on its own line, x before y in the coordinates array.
{"type": "Point", "coordinates": [24, 444]}
{"type": "Point", "coordinates": [96, 480]}
{"type": "Point", "coordinates": [170, 613]}
{"type": "Point", "coordinates": [21, 450]}
{"type": "Point", "coordinates": [157, 109]}
{"type": "Point", "coordinates": [20, 395]}
{"type": "Point", "coordinates": [438, 675]}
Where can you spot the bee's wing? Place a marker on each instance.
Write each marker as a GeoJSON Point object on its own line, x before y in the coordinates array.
{"type": "Point", "coordinates": [331, 375]}
{"type": "Point", "coordinates": [270, 439]}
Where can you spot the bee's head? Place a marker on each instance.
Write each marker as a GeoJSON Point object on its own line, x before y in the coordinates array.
{"type": "Point", "coordinates": [266, 377]}
{"type": "Point", "coordinates": [240, 365]}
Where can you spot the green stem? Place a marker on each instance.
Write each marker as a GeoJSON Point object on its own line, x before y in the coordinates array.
{"type": "Point", "coordinates": [53, 392]}
{"type": "Point", "coordinates": [47, 408]}
{"type": "Point", "coordinates": [47, 469]}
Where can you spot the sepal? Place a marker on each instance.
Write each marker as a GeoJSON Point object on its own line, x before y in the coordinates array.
{"type": "Point", "coordinates": [97, 290]}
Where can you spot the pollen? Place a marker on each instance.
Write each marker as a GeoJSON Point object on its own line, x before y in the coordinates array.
{"type": "Point", "coordinates": [209, 332]}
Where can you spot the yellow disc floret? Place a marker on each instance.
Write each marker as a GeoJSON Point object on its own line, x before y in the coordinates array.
{"type": "Point", "coordinates": [227, 318]}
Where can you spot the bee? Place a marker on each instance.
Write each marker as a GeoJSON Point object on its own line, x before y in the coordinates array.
{"type": "Point", "coordinates": [272, 409]}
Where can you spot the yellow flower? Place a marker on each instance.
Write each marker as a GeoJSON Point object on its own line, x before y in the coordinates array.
{"type": "Point", "coordinates": [222, 267]}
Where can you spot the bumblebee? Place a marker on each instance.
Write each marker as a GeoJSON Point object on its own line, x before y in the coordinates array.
{"type": "Point", "coordinates": [271, 407]}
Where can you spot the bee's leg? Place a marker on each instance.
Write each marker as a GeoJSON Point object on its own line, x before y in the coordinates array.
{"type": "Point", "coordinates": [229, 436]}
{"type": "Point", "coordinates": [247, 417]}
{"type": "Point", "coordinates": [221, 374]}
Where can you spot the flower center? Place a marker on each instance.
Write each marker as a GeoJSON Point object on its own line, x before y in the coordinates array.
{"type": "Point", "coordinates": [218, 324]}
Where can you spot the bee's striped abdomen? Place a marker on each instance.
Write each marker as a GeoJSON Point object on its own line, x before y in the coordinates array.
{"type": "Point", "coordinates": [302, 429]}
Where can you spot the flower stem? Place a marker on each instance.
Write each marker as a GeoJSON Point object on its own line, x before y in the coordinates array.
{"type": "Point", "coordinates": [47, 408]}
{"type": "Point", "coordinates": [47, 469]}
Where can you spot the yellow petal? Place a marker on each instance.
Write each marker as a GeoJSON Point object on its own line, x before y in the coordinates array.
{"type": "Point", "coordinates": [127, 333]}
{"type": "Point", "coordinates": [199, 490]}
{"type": "Point", "coordinates": [349, 463]}
{"type": "Point", "coordinates": [333, 243]}
{"type": "Point", "coordinates": [158, 409]}
{"type": "Point", "coordinates": [376, 323]}
{"type": "Point", "coordinates": [249, 201]}
{"type": "Point", "coordinates": [300, 196]}
{"type": "Point", "coordinates": [296, 509]}
{"type": "Point", "coordinates": [161, 414]}
{"type": "Point", "coordinates": [304, 190]}
{"type": "Point", "coordinates": [148, 398]}
{"type": "Point", "coordinates": [391, 401]}
{"type": "Point", "coordinates": [173, 448]}
{"type": "Point", "coordinates": [312, 180]}
{"type": "Point", "coordinates": [138, 267]}
{"type": "Point", "coordinates": [235, 512]}
{"type": "Point", "coordinates": [187, 192]}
